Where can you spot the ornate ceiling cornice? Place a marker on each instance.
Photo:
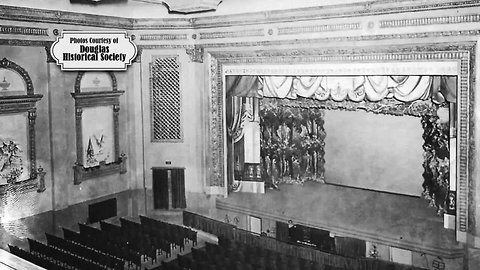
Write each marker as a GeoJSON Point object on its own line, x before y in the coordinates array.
{"type": "Point", "coordinates": [252, 18]}
{"type": "Point", "coordinates": [63, 17]}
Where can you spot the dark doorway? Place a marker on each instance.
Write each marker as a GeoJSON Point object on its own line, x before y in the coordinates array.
{"type": "Point", "coordinates": [169, 188]}
{"type": "Point", "coordinates": [102, 210]}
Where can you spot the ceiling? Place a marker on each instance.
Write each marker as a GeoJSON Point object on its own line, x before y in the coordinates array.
{"type": "Point", "coordinates": [170, 8]}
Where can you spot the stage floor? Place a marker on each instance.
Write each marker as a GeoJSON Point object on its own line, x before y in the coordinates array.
{"type": "Point", "coordinates": [390, 219]}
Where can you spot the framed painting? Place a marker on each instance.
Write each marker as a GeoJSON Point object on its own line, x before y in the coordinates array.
{"type": "Point", "coordinates": [97, 109]}
{"type": "Point", "coordinates": [18, 166]}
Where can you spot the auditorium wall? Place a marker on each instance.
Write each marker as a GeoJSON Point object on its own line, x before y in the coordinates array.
{"type": "Point", "coordinates": [362, 29]}
{"type": "Point", "coordinates": [55, 138]}
{"type": "Point", "coordinates": [187, 152]}
{"type": "Point", "coordinates": [374, 151]}
{"type": "Point", "coordinates": [33, 60]}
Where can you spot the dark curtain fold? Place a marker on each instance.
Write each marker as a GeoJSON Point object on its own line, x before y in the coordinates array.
{"type": "Point", "coordinates": [160, 189]}
{"type": "Point", "coordinates": [350, 247]}
{"type": "Point", "coordinates": [237, 87]}
{"type": "Point", "coordinates": [178, 188]}
{"type": "Point", "coordinates": [444, 88]}
{"type": "Point", "coordinates": [242, 86]}
{"type": "Point", "coordinates": [282, 231]}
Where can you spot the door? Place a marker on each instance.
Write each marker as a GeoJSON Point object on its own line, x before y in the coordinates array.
{"type": "Point", "coordinates": [255, 225]}
{"type": "Point", "coordinates": [178, 188]}
{"type": "Point", "coordinates": [160, 189]}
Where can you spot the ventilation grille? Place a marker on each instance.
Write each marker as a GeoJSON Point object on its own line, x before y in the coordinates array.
{"type": "Point", "coordinates": [165, 99]}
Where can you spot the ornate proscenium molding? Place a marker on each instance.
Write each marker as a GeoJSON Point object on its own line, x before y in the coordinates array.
{"type": "Point", "coordinates": [459, 55]}
{"type": "Point", "coordinates": [195, 53]}
{"type": "Point", "coordinates": [191, 6]}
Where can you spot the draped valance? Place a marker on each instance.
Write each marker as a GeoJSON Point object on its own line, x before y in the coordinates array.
{"type": "Point", "coordinates": [341, 88]}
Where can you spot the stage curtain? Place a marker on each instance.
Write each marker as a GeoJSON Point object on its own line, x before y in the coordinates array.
{"type": "Point", "coordinates": [278, 87]}
{"type": "Point", "coordinates": [238, 88]}
{"type": "Point", "coordinates": [243, 134]}
{"type": "Point", "coordinates": [358, 88]}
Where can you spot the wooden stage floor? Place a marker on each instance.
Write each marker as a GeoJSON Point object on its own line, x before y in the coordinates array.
{"type": "Point", "coordinates": [391, 219]}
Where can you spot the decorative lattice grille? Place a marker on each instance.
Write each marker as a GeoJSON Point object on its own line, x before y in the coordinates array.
{"type": "Point", "coordinates": [165, 99]}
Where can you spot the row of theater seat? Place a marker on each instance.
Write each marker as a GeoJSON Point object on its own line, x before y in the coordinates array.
{"type": "Point", "coordinates": [110, 247]}
{"type": "Point", "coordinates": [233, 255]}
{"type": "Point", "coordinates": [39, 259]}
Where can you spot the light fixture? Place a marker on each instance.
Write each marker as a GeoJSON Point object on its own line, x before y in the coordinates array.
{"type": "Point", "coordinates": [191, 6]}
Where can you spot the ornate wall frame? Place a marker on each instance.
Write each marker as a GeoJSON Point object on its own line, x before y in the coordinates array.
{"type": "Point", "coordinates": [446, 59]}
{"type": "Point", "coordinates": [89, 100]}
{"type": "Point", "coordinates": [23, 104]}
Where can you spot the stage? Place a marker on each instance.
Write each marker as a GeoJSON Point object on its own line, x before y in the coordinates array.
{"type": "Point", "coordinates": [390, 219]}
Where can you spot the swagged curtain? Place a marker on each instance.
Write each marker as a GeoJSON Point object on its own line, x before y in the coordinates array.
{"type": "Point", "coordinates": [358, 88]}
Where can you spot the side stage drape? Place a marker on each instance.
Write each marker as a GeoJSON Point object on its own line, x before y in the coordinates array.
{"type": "Point", "coordinates": [243, 134]}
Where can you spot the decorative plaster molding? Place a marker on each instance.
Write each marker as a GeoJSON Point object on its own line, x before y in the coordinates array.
{"type": "Point", "coordinates": [79, 79]}
{"type": "Point", "coordinates": [161, 24]}
{"type": "Point", "coordinates": [93, 99]}
{"type": "Point", "coordinates": [63, 17]}
{"type": "Point", "coordinates": [295, 42]}
{"type": "Point", "coordinates": [50, 58]}
{"type": "Point", "coordinates": [5, 63]}
{"type": "Point", "coordinates": [195, 53]}
{"type": "Point", "coordinates": [138, 57]}
{"type": "Point", "coordinates": [469, 18]}
{"type": "Point", "coordinates": [328, 12]}
{"type": "Point", "coordinates": [254, 18]}
{"type": "Point", "coordinates": [319, 28]}
{"type": "Point", "coordinates": [22, 104]}
{"type": "Point", "coordinates": [163, 46]}
{"type": "Point", "coordinates": [23, 30]}
{"type": "Point", "coordinates": [23, 42]}
{"type": "Point", "coordinates": [233, 34]}
{"type": "Point", "coordinates": [388, 67]}
{"type": "Point", "coordinates": [164, 37]}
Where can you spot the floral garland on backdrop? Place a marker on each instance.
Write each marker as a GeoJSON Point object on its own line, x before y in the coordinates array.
{"type": "Point", "coordinates": [436, 163]}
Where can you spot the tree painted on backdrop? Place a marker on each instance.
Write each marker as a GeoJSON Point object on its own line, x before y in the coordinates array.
{"type": "Point", "coordinates": [292, 142]}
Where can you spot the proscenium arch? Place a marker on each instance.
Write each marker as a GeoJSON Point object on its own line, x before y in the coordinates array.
{"type": "Point", "coordinates": [454, 60]}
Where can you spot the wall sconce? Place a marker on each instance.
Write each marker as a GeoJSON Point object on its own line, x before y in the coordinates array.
{"type": "Point", "coordinates": [41, 181]}
{"type": "Point", "coordinates": [373, 252]}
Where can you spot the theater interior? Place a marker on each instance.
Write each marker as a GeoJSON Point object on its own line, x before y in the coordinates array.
{"type": "Point", "coordinates": [332, 135]}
